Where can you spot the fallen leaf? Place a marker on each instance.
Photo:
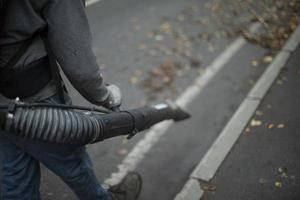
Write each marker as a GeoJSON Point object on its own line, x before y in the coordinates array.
{"type": "Point", "coordinates": [166, 27]}
{"type": "Point", "coordinates": [208, 188]}
{"type": "Point", "coordinates": [259, 113]}
{"type": "Point", "coordinates": [254, 63]}
{"type": "Point", "coordinates": [280, 126]}
{"type": "Point", "coordinates": [278, 184]}
{"type": "Point", "coordinates": [270, 126]}
{"type": "Point", "coordinates": [282, 169]}
{"type": "Point", "coordinates": [167, 80]}
{"type": "Point", "coordinates": [159, 37]}
{"type": "Point", "coordinates": [284, 175]}
{"type": "Point", "coordinates": [247, 130]}
{"type": "Point", "coordinates": [255, 122]}
{"type": "Point", "coordinates": [267, 59]}
{"type": "Point", "coordinates": [195, 62]}
{"type": "Point", "coordinates": [283, 172]}
{"type": "Point", "coordinates": [279, 82]}
{"type": "Point", "coordinates": [156, 71]}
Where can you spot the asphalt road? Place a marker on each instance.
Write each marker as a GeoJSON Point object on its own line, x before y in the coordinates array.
{"type": "Point", "coordinates": [131, 38]}
{"type": "Point", "coordinates": [269, 152]}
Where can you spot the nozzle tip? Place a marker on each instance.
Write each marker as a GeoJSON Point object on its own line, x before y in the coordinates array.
{"type": "Point", "coordinates": [179, 113]}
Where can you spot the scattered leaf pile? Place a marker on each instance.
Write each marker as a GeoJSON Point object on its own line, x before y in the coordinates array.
{"type": "Point", "coordinates": [161, 77]}
{"type": "Point", "coordinates": [282, 179]}
{"type": "Point", "coordinates": [279, 19]}
{"type": "Point", "coordinates": [174, 43]}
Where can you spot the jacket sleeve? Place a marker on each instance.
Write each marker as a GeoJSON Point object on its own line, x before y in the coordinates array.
{"type": "Point", "coordinates": [70, 39]}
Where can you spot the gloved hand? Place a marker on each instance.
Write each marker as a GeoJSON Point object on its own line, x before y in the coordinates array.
{"type": "Point", "coordinates": [114, 99]}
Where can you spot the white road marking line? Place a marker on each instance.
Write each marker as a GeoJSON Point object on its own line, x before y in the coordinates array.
{"type": "Point", "coordinates": [293, 41]}
{"type": "Point", "coordinates": [138, 153]}
{"type": "Point", "coordinates": [92, 2]}
{"type": "Point", "coordinates": [225, 141]}
{"type": "Point", "coordinates": [215, 156]}
{"type": "Point", "coordinates": [191, 191]}
{"type": "Point", "coordinates": [263, 84]}
{"type": "Point", "coordinates": [217, 153]}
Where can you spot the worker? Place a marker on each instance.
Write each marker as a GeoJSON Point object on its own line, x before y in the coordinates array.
{"type": "Point", "coordinates": [36, 37]}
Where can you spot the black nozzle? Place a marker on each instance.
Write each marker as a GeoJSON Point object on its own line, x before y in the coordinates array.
{"type": "Point", "coordinates": [178, 113]}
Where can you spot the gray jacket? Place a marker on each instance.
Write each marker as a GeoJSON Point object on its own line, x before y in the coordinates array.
{"type": "Point", "coordinates": [69, 37]}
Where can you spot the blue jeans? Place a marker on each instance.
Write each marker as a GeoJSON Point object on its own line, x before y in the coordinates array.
{"type": "Point", "coordinates": [20, 160]}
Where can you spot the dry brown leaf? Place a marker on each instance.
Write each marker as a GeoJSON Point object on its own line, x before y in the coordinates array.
{"type": "Point", "coordinates": [268, 59]}
{"type": "Point", "coordinates": [270, 126]}
{"type": "Point", "coordinates": [209, 188]}
{"type": "Point", "coordinates": [247, 130]}
{"type": "Point", "coordinates": [195, 62]}
{"type": "Point", "coordinates": [278, 184]}
{"type": "Point", "coordinates": [166, 28]}
{"type": "Point", "coordinates": [156, 71]}
{"type": "Point", "coordinates": [255, 122]}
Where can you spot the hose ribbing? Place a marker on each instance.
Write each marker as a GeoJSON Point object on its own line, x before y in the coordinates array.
{"type": "Point", "coordinates": [57, 125]}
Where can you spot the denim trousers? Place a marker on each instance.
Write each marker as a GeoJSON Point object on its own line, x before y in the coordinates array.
{"type": "Point", "coordinates": [20, 161]}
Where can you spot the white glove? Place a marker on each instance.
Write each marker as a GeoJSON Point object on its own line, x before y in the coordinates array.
{"type": "Point", "coordinates": [114, 99]}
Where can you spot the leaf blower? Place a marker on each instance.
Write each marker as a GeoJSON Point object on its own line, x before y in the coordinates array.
{"type": "Point", "coordinates": [75, 125]}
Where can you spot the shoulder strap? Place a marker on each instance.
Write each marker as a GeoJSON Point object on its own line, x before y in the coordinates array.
{"type": "Point", "coordinates": [54, 68]}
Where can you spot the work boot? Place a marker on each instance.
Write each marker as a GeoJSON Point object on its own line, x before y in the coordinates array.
{"type": "Point", "coordinates": [129, 189]}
